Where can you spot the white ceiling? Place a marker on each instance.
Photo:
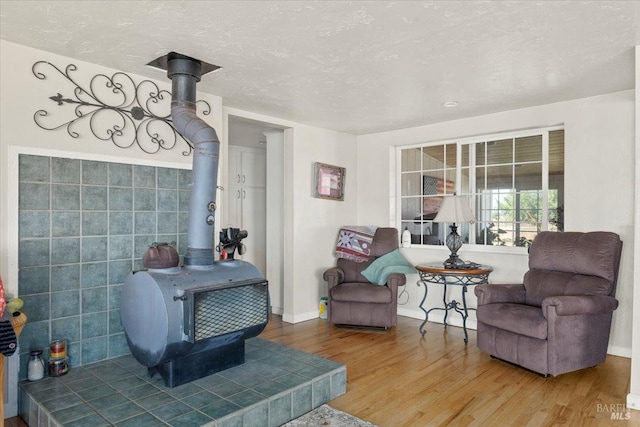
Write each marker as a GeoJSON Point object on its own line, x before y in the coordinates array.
{"type": "Point", "coordinates": [357, 66]}
{"type": "Point", "coordinates": [248, 133]}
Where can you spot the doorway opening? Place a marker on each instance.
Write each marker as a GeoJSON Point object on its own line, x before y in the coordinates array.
{"type": "Point", "coordinates": [255, 197]}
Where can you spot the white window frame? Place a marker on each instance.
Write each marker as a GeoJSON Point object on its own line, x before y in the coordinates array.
{"type": "Point", "coordinates": [543, 131]}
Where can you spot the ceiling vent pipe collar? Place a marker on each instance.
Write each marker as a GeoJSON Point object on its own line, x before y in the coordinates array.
{"type": "Point", "coordinates": [184, 73]}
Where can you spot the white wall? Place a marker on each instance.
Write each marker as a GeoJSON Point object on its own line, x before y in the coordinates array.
{"type": "Point", "coordinates": [599, 189]}
{"type": "Point", "coordinates": [275, 218]}
{"type": "Point", "coordinates": [633, 398]}
{"type": "Point", "coordinates": [317, 221]}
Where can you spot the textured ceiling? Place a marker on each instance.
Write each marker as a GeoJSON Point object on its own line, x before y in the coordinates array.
{"type": "Point", "coordinates": [358, 67]}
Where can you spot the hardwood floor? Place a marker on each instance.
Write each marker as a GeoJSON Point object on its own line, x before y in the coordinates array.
{"type": "Point", "coordinates": [397, 378]}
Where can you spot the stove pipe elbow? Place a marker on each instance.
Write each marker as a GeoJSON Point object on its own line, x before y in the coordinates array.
{"type": "Point", "coordinates": [184, 73]}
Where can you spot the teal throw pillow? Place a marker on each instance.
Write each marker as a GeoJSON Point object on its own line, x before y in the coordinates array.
{"type": "Point", "coordinates": [382, 267]}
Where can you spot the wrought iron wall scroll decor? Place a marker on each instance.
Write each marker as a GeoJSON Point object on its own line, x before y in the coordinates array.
{"type": "Point", "coordinates": [119, 110]}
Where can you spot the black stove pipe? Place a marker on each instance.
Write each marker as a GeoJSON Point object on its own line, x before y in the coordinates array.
{"type": "Point", "coordinates": [184, 73]}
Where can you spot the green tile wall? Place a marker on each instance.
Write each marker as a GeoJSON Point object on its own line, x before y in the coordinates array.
{"type": "Point", "coordinates": [83, 226]}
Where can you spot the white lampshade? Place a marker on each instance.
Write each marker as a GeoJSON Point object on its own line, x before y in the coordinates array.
{"type": "Point", "coordinates": [455, 209]}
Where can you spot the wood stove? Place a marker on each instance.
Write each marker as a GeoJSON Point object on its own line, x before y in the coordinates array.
{"type": "Point", "coordinates": [192, 321]}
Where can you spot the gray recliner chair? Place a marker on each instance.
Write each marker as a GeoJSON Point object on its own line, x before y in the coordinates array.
{"type": "Point", "coordinates": [353, 300]}
{"type": "Point", "coordinates": [559, 319]}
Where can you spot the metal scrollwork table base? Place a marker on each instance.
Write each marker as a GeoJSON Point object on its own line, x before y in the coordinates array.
{"type": "Point", "coordinates": [437, 274]}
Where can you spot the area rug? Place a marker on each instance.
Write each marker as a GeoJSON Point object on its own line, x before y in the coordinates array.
{"type": "Point", "coordinates": [325, 415]}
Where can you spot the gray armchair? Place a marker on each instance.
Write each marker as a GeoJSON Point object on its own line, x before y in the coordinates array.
{"type": "Point", "coordinates": [353, 300]}
{"type": "Point", "coordinates": [559, 319]}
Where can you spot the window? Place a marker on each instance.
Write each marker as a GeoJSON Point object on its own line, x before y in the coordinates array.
{"type": "Point", "coordinates": [515, 184]}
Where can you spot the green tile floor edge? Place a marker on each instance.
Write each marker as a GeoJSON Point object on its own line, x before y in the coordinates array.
{"type": "Point", "coordinates": [275, 385]}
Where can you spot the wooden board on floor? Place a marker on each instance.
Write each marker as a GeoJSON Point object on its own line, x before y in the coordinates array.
{"type": "Point", "coordinates": [398, 378]}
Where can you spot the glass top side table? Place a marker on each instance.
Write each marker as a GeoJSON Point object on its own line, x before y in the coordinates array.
{"type": "Point", "coordinates": [463, 277]}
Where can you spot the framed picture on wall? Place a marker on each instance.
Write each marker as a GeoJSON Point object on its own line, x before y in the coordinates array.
{"type": "Point", "coordinates": [329, 181]}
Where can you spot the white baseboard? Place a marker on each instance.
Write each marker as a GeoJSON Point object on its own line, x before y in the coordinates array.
{"type": "Point", "coordinates": [302, 317]}
{"type": "Point", "coordinates": [453, 319]}
{"type": "Point", "coordinates": [414, 314]}
{"type": "Point", "coordinates": [617, 350]}
{"type": "Point", "coordinates": [277, 310]}
{"type": "Point", "coordinates": [633, 401]}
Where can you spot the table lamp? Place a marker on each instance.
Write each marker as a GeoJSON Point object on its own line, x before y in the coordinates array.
{"type": "Point", "coordinates": [454, 210]}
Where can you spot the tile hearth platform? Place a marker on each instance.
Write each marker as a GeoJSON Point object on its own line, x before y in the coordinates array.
{"type": "Point", "coordinates": [276, 384]}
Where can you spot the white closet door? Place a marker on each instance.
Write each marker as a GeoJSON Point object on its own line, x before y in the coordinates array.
{"type": "Point", "coordinates": [235, 207]}
{"type": "Point", "coordinates": [254, 169]}
{"type": "Point", "coordinates": [235, 166]}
